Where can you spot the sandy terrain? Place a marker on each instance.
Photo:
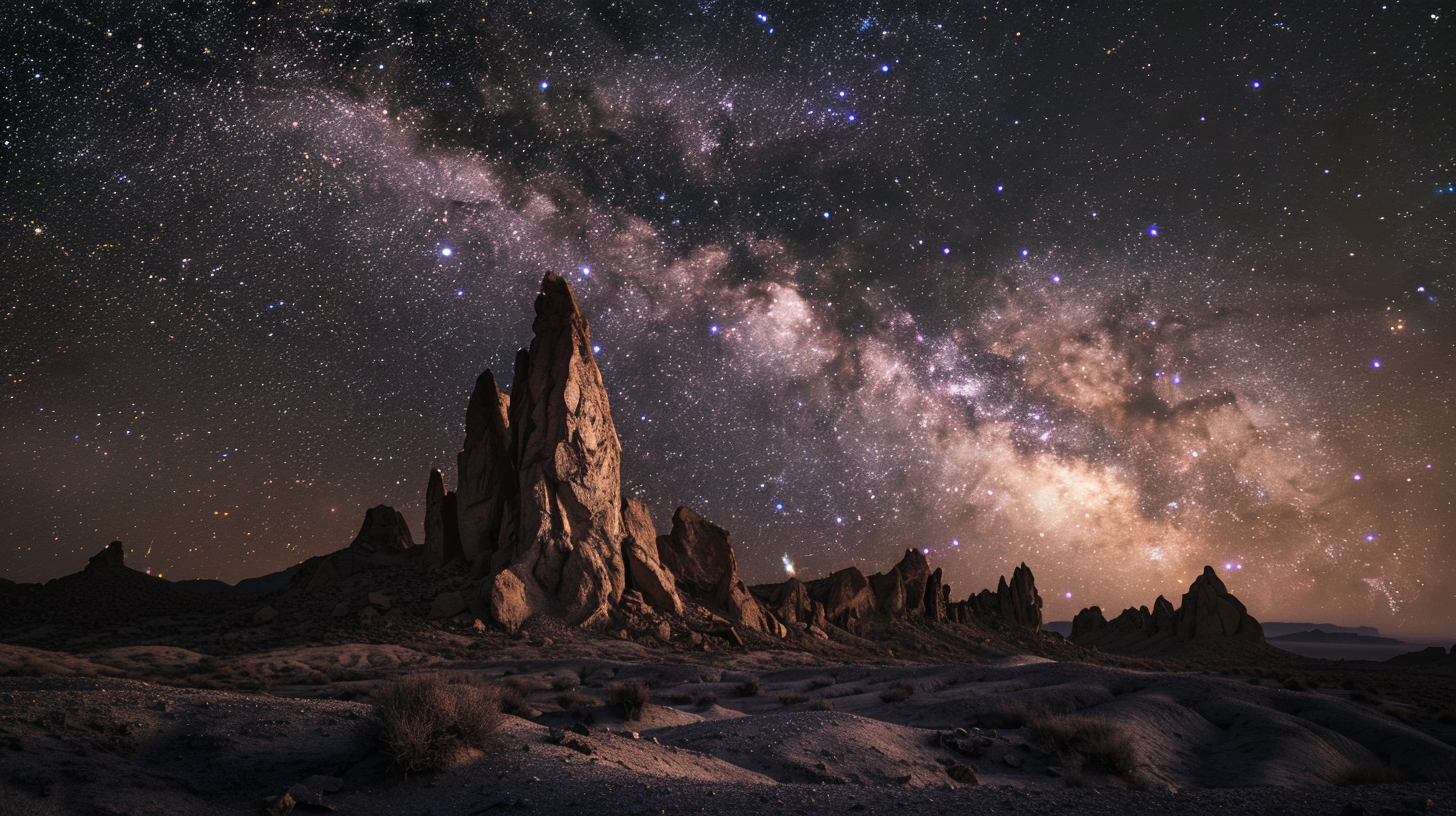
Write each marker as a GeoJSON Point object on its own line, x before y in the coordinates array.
{"type": "Point", "coordinates": [817, 738]}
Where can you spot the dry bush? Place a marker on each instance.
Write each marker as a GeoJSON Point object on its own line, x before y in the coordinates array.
{"type": "Point", "coordinates": [1401, 713]}
{"type": "Point", "coordinates": [576, 702]}
{"type": "Point", "coordinates": [679, 698]}
{"type": "Point", "coordinates": [1006, 714]}
{"type": "Point", "coordinates": [793, 698]}
{"type": "Point", "coordinates": [705, 699]}
{"type": "Point", "coordinates": [898, 692]}
{"type": "Point", "coordinates": [1296, 684]}
{"type": "Point", "coordinates": [821, 682]}
{"type": "Point", "coordinates": [750, 687]}
{"type": "Point", "coordinates": [631, 697]}
{"type": "Point", "coordinates": [1370, 773]}
{"type": "Point", "coordinates": [426, 721]}
{"type": "Point", "coordinates": [512, 701]}
{"type": "Point", "coordinates": [564, 683]}
{"type": "Point", "coordinates": [821, 704]}
{"type": "Point", "coordinates": [1080, 741]}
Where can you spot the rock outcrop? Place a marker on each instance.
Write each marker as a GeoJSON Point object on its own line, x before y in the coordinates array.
{"type": "Point", "coordinates": [645, 572]}
{"type": "Point", "coordinates": [487, 483]}
{"type": "Point", "coordinates": [442, 529]}
{"type": "Point", "coordinates": [700, 556]}
{"type": "Point", "coordinates": [567, 458]}
{"type": "Point", "coordinates": [1208, 613]}
{"type": "Point", "coordinates": [384, 531]}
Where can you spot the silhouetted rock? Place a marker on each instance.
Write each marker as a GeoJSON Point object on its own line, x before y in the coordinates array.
{"type": "Point", "coordinates": [700, 556]}
{"type": "Point", "coordinates": [936, 597]}
{"type": "Point", "coordinates": [1208, 610]}
{"type": "Point", "coordinates": [384, 530]}
{"type": "Point", "coordinates": [645, 572]}
{"type": "Point", "coordinates": [1016, 602]}
{"type": "Point", "coordinates": [442, 531]}
{"type": "Point", "coordinates": [1429, 656]}
{"type": "Point", "coordinates": [487, 483]}
{"type": "Point", "coordinates": [790, 602]}
{"type": "Point", "coordinates": [113, 556]}
{"type": "Point", "coordinates": [1208, 613]}
{"type": "Point", "coordinates": [901, 589]}
{"type": "Point", "coordinates": [567, 457]}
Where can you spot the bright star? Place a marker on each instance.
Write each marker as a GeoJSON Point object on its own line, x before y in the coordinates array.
{"type": "Point", "coordinates": [446, 251]}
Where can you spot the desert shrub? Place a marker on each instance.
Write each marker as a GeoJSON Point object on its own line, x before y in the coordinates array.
{"type": "Point", "coordinates": [793, 698]}
{"type": "Point", "coordinates": [679, 698]}
{"type": "Point", "coordinates": [1006, 714]}
{"type": "Point", "coordinates": [821, 704]}
{"type": "Point", "coordinates": [426, 721]}
{"type": "Point", "coordinates": [750, 687]}
{"type": "Point", "coordinates": [1080, 741]}
{"type": "Point", "coordinates": [1401, 713]}
{"type": "Point", "coordinates": [705, 699]}
{"type": "Point", "coordinates": [564, 683]}
{"type": "Point", "coordinates": [630, 697]}
{"type": "Point", "coordinates": [576, 702]}
{"type": "Point", "coordinates": [898, 692]}
{"type": "Point", "coordinates": [1295, 684]}
{"type": "Point", "coordinates": [512, 701]}
{"type": "Point", "coordinates": [1370, 773]}
{"type": "Point", "coordinates": [820, 682]}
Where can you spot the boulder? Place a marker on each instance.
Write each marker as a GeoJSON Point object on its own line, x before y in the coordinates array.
{"type": "Point", "coordinates": [513, 600]}
{"type": "Point", "coordinates": [645, 572]}
{"type": "Point", "coordinates": [700, 556]}
{"type": "Point", "coordinates": [568, 462]}
{"type": "Point", "coordinates": [380, 600]}
{"type": "Point", "coordinates": [487, 481]}
{"type": "Point", "coordinates": [384, 530]}
{"type": "Point", "coordinates": [264, 615]}
{"type": "Point", "coordinates": [845, 596]}
{"type": "Point", "coordinates": [447, 605]}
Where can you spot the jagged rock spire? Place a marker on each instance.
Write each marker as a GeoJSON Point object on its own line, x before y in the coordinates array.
{"type": "Point", "coordinates": [564, 530]}
{"type": "Point", "coordinates": [487, 482]}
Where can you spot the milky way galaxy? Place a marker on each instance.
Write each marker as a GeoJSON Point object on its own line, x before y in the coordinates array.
{"type": "Point", "coordinates": [1115, 291]}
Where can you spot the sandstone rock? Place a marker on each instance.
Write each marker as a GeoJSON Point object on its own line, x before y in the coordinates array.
{"type": "Point", "coordinates": [447, 605]}
{"type": "Point", "coordinates": [645, 572]}
{"type": "Point", "coordinates": [442, 530]}
{"type": "Point", "coordinates": [1016, 602]}
{"type": "Point", "coordinates": [568, 460]}
{"type": "Point", "coordinates": [487, 481]}
{"type": "Point", "coordinates": [964, 774]}
{"type": "Point", "coordinates": [700, 556]}
{"type": "Point", "coordinates": [384, 530]}
{"type": "Point", "coordinates": [264, 615]}
{"type": "Point", "coordinates": [789, 601]}
{"type": "Point", "coordinates": [368, 614]}
{"type": "Point", "coordinates": [380, 600]}
{"type": "Point", "coordinates": [901, 590]}
{"type": "Point", "coordinates": [845, 596]}
{"type": "Point", "coordinates": [513, 601]}
{"type": "Point", "coordinates": [935, 596]}
{"type": "Point", "coordinates": [1208, 610]}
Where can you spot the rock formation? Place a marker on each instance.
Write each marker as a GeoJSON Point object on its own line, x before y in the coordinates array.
{"type": "Point", "coordinates": [700, 556]}
{"type": "Point", "coordinates": [1208, 613]}
{"type": "Point", "coordinates": [442, 529]}
{"type": "Point", "coordinates": [384, 530]}
{"type": "Point", "coordinates": [1017, 601]}
{"type": "Point", "coordinates": [645, 572]}
{"type": "Point", "coordinates": [487, 482]}
{"type": "Point", "coordinates": [567, 459]}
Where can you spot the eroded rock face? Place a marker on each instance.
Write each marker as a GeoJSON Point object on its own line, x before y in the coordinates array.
{"type": "Point", "coordinates": [936, 596]}
{"type": "Point", "coordinates": [1016, 601]}
{"type": "Point", "coordinates": [645, 572]}
{"type": "Point", "coordinates": [1208, 610]}
{"type": "Point", "coordinates": [567, 458]}
{"type": "Point", "coordinates": [700, 556]}
{"type": "Point", "coordinates": [384, 530]}
{"type": "Point", "coordinates": [113, 556]}
{"type": "Point", "coordinates": [901, 589]}
{"type": "Point", "coordinates": [845, 595]}
{"type": "Point", "coordinates": [487, 481]}
{"type": "Point", "coordinates": [442, 534]}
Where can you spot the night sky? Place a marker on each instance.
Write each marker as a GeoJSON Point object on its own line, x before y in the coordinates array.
{"type": "Point", "coordinates": [1115, 291]}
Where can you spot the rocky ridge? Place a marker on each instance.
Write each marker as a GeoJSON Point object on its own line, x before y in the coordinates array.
{"type": "Point", "coordinates": [1208, 612]}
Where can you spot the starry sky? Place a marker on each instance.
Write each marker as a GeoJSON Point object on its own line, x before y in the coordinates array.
{"type": "Point", "coordinates": [1115, 289]}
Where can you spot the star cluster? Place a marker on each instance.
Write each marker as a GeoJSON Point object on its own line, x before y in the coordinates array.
{"type": "Point", "coordinates": [1115, 292]}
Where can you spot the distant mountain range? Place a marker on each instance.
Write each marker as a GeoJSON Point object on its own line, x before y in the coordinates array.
{"type": "Point", "coordinates": [262, 585]}
{"type": "Point", "coordinates": [1348, 638]}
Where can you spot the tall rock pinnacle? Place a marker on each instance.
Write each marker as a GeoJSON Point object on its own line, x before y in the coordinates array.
{"type": "Point", "coordinates": [487, 482]}
{"type": "Point", "coordinates": [567, 518]}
